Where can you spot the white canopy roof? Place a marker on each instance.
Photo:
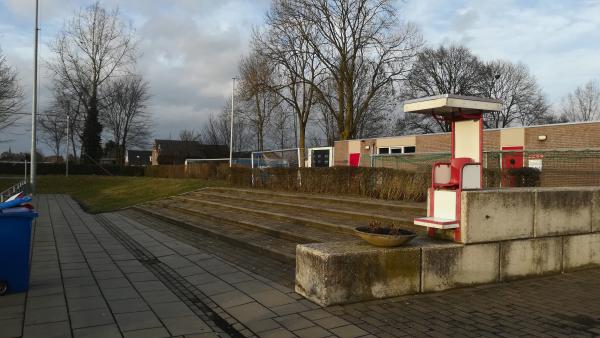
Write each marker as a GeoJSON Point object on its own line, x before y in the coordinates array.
{"type": "Point", "coordinates": [449, 103]}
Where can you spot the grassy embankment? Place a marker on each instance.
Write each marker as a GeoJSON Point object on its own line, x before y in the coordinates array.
{"type": "Point", "coordinates": [8, 181]}
{"type": "Point", "coordinates": [105, 193]}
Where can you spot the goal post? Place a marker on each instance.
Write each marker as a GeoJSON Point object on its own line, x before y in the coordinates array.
{"type": "Point", "coordinates": [240, 162]}
{"type": "Point", "coordinates": [191, 161]}
{"type": "Point", "coordinates": [279, 158]}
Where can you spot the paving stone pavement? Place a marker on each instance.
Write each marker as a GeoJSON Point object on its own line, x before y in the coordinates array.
{"type": "Point", "coordinates": [112, 275]}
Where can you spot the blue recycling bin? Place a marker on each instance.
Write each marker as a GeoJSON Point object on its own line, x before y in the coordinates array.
{"type": "Point", "coordinates": [15, 243]}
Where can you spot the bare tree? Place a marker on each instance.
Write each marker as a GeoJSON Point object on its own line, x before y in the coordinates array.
{"type": "Point", "coordinates": [190, 135]}
{"type": "Point", "coordinates": [583, 104]}
{"type": "Point", "coordinates": [11, 94]}
{"type": "Point", "coordinates": [297, 66]}
{"type": "Point", "coordinates": [257, 99]}
{"type": "Point", "coordinates": [444, 70]}
{"type": "Point", "coordinates": [53, 127]}
{"type": "Point", "coordinates": [456, 70]}
{"type": "Point", "coordinates": [70, 108]}
{"type": "Point", "coordinates": [522, 99]}
{"type": "Point", "coordinates": [281, 128]}
{"type": "Point", "coordinates": [125, 115]}
{"type": "Point", "coordinates": [216, 129]}
{"type": "Point", "coordinates": [364, 47]}
{"type": "Point", "coordinates": [93, 46]}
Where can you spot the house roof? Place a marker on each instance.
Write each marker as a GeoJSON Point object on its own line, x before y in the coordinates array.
{"type": "Point", "coordinates": [140, 153]}
{"type": "Point", "coordinates": [190, 149]}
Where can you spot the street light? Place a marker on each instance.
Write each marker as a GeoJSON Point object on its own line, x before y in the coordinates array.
{"type": "Point", "coordinates": [67, 152]}
{"type": "Point", "coordinates": [231, 126]}
{"type": "Point", "coordinates": [34, 109]}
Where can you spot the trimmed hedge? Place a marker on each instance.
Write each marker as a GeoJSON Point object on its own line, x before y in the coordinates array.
{"type": "Point", "coordinates": [525, 177]}
{"type": "Point", "coordinates": [515, 177]}
{"type": "Point", "coordinates": [381, 183]}
{"type": "Point", "coordinates": [74, 169]}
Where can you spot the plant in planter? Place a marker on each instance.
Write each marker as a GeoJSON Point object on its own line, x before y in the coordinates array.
{"type": "Point", "coordinates": [385, 236]}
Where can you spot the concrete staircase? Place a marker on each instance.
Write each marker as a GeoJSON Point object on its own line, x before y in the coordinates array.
{"type": "Point", "coordinates": [273, 223]}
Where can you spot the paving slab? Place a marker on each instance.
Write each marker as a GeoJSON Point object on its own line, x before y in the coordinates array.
{"type": "Point", "coordinates": [102, 331]}
{"type": "Point", "coordinates": [154, 279]}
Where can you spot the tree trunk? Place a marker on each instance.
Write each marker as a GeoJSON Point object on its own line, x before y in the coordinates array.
{"type": "Point", "coordinates": [91, 133]}
{"type": "Point", "coordinates": [302, 144]}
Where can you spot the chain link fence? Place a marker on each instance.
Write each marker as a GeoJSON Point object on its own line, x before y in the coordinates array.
{"type": "Point", "coordinates": [553, 168]}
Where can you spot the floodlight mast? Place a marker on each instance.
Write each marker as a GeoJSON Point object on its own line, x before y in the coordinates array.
{"type": "Point", "coordinates": [231, 121]}
{"type": "Point", "coordinates": [33, 160]}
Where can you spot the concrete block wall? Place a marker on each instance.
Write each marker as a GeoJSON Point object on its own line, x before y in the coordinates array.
{"type": "Point", "coordinates": [345, 272]}
{"type": "Point", "coordinates": [506, 234]}
{"type": "Point", "coordinates": [581, 251]}
{"type": "Point", "coordinates": [530, 257]}
{"type": "Point", "coordinates": [507, 214]}
{"type": "Point", "coordinates": [448, 267]}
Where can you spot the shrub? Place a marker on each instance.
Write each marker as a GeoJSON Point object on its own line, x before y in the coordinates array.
{"type": "Point", "coordinates": [525, 177]}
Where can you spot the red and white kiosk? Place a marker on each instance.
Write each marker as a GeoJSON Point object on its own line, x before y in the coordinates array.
{"type": "Point", "coordinates": [464, 171]}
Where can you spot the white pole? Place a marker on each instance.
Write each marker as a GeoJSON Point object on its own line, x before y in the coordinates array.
{"type": "Point", "coordinates": [67, 152]}
{"type": "Point", "coordinates": [231, 127]}
{"type": "Point", "coordinates": [33, 161]}
{"type": "Point", "coordinates": [252, 164]}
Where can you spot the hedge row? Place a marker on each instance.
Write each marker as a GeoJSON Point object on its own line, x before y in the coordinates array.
{"type": "Point", "coordinates": [372, 182]}
{"type": "Point", "coordinates": [384, 183]}
{"type": "Point", "coordinates": [74, 169]}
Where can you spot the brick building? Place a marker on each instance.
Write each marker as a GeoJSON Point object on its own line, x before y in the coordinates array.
{"type": "Point", "coordinates": [558, 148]}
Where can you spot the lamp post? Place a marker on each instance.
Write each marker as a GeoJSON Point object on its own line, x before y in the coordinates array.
{"type": "Point", "coordinates": [231, 121]}
{"type": "Point", "coordinates": [67, 152]}
{"type": "Point", "coordinates": [33, 161]}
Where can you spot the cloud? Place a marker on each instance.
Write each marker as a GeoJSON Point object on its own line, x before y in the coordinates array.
{"type": "Point", "coordinates": [189, 51]}
{"type": "Point", "coordinates": [556, 39]}
{"type": "Point", "coordinates": [190, 48]}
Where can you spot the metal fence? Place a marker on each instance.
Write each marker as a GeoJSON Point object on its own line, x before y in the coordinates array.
{"type": "Point", "coordinates": [557, 167]}
{"type": "Point", "coordinates": [15, 189]}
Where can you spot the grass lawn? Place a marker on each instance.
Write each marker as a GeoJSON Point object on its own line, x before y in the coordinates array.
{"type": "Point", "coordinates": [105, 193]}
{"type": "Point", "coordinates": [8, 181]}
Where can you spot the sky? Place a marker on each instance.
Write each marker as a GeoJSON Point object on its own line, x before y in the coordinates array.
{"type": "Point", "coordinates": [190, 49]}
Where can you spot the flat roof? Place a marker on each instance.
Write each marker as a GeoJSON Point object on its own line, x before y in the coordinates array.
{"type": "Point", "coordinates": [485, 130]}
{"type": "Point", "coordinates": [450, 103]}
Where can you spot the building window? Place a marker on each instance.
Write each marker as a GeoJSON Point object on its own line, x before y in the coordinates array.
{"type": "Point", "coordinates": [397, 150]}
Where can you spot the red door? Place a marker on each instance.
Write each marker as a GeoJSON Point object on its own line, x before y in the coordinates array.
{"type": "Point", "coordinates": [511, 159]}
{"type": "Point", "coordinates": [354, 159]}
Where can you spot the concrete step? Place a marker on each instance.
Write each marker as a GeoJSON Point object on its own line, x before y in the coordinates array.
{"type": "Point", "coordinates": [351, 203]}
{"type": "Point", "coordinates": [304, 207]}
{"type": "Point", "coordinates": [273, 224]}
{"type": "Point", "coordinates": [277, 248]}
{"type": "Point", "coordinates": [316, 219]}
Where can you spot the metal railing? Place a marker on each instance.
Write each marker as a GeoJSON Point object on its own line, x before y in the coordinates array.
{"type": "Point", "coordinates": [15, 189]}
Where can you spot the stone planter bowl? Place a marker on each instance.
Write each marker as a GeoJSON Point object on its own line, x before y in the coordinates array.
{"type": "Point", "coordinates": [384, 240]}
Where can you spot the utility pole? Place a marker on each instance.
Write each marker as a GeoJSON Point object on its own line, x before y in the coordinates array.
{"type": "Point", "coordinates": [33, 161]}
{"type": "Point", "coordinates": [231, 126]}
{"type": "Point", "coordinates": [67, 152]}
